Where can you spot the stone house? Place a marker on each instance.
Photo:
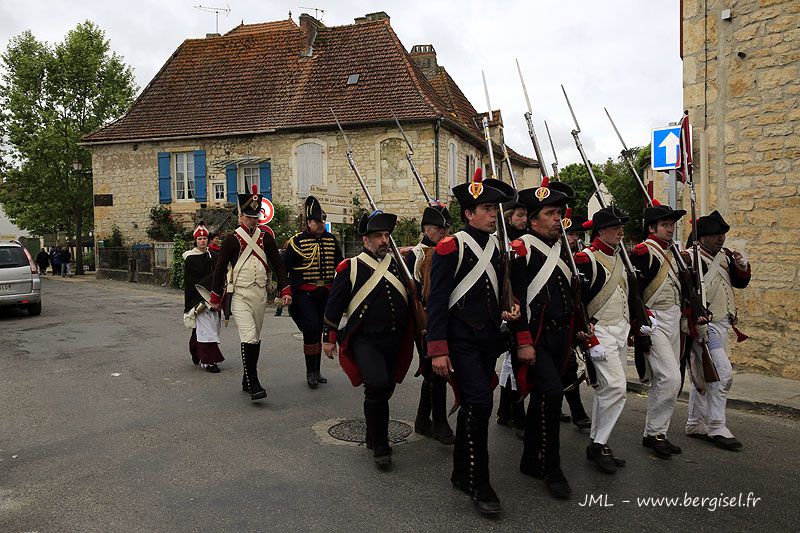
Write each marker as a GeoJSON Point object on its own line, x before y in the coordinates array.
{"type": "Point", "coordinates": [253, 106]}
{"type": "Point", "coordinates": [741, 85]}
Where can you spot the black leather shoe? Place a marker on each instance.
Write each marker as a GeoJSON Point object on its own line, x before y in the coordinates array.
{"type": "Point", "coordinates": [383, 457]}
{"type": "Point", "coordinates": [443, 433]}
{"type": "Point", "coordinates": [486, 501]}
{"type": "Point", "coordinates": [258, 395]}
{"type": "Point", "coordinates": [673, 448]}
{"type": "Point", "coordinates": [583, 423]}
{"type": "Point", "coordinates": [321, 378]}
{"type": "Point", "coordinates": [213, 368]}
{"type": "Point", "coordinates": [557, 484]}
{"type": "Point", "coordinates": [726, 443]}
{"type": "Point", "coordinates": [658, 444]}
{"type": "Point", "coordinates": [602, 457]}
{"type": "Point", "coordinates": [530, 468]}
{"type": "Point", "coordinates": [564, 417]}
{"type": "Point", "coordinates": [311, 379]}
{"type": "Point", "coordinates": [423, 426]}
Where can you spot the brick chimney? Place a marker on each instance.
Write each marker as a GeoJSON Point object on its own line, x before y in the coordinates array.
{"type": "Point", "coordinates": [372, 17]}
{"type": "Point", "coordinates": [309, 26]}
{"type": "Point", "coordinates": [424, 55]}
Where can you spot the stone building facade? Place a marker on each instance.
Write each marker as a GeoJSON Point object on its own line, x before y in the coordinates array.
{"type": "Point", "coordinates": [193, 141]}
{"type": "Point", "coordinates": [741, 81]}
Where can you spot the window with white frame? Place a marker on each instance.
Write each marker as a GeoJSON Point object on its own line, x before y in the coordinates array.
{"type": "Point", "coordinates": [249, 177]}
{"type": "Point", "coordinates": [452, 164]}
{"type": "Point", "coordinates": [184, 176]}
{"type": "Point", "coordinates": [219, 191]}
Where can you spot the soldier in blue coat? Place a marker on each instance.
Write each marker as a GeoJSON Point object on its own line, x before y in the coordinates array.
{"type": "Point", "coordinates": [464, 339]}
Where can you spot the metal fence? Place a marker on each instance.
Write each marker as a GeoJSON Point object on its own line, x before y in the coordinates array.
{"type": "Point", "coordinates": [163, 254]}
{"type": "Point", "coordinates": [114, 258]}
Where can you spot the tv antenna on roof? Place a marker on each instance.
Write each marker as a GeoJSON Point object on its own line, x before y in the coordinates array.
{"type": "Point", "coordinates": [317, 11]}
{"type": "Point", "coordinates": [216, 11]}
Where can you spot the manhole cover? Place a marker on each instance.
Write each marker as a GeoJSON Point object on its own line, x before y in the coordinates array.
{"type": "Point", "coordinates": [355, 431]}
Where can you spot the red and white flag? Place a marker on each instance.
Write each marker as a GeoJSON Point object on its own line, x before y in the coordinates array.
{"type": "Point", "coordinates": [684, 163]}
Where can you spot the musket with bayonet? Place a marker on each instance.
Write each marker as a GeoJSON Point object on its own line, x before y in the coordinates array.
{"type": "Point", "coordinates": [410, 159]}
{"type": "Point", "coordinates": [417, 310]}
{"type": "Point", "coordinates": [506, 293]}
{"type": "Point", "coordinates": [553, 149]}
{"type": "Point", "coordinates": [582, 318]}
{"type": "Point", "coordinates": [692, 297]}
{"type": "Point", "coordinates": [637, 307]}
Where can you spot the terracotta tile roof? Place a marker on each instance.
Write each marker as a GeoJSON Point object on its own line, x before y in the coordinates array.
{"type": "Point", "coordinates": [255, 78]}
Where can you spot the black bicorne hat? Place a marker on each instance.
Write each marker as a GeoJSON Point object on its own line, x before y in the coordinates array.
{"type": "Point", "coordinates": [250, 204]}
{"type": "Point", "coordinates": [661, 212]}
{"type": "Point", "coordinates": [547, 194]}
{"type": "Point", "coordinates": [436, 215]}
{"type": "Point", "coordinates": [608, 217]}
{"type": "Point", "coordinates": [314, 210]}
{"type": "Point", "coordinates": [483, 191]}
{"type": "Point", "coordinates": [573, 223]}
{"type": "Point", "coordinates": [376, 221]}
{"type": "Point", "coordinates": [712, 224]}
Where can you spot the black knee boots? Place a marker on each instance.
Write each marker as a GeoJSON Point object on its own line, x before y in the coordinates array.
{"type": "Point", "coordinates": [250, 382]}
{"type": "Point", "coordinates": [471, 458]}
{"type": "Point", "coordinates": [431, 418]}
{"type": "Point", "coordinates": [541, 458]}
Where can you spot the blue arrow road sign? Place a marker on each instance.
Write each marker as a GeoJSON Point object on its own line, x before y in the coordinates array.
{"type": "Point", "coordinates": [664, 153]}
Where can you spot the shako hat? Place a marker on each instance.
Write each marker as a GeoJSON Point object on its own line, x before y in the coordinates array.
{"type": "Point", "coordinates": [250, 204]}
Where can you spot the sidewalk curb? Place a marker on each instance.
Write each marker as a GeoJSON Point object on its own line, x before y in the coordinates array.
{"type": "Point", "coordinates": [734, 403]}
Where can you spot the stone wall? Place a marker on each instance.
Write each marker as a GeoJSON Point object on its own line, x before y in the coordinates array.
{"type": "Point", "coordinates": [742, 93]}
{"type": "Point", "coordinates": [130, 171]}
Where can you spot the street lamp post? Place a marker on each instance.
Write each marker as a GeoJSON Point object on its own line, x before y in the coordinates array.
{"type": "Point", "coordinates": [77, 166]}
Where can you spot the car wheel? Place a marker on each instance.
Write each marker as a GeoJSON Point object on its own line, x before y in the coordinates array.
{"type": "Point", "coordinates": [35, 309]}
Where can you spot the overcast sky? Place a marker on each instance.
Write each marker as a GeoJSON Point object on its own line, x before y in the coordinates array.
{"type": "Point", "coordinates": [622, 54]}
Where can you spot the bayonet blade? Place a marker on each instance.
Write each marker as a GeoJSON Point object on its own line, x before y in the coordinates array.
{"type": "Point", "coordinates": [574, 118]}
{"type": "Point", "coordinates": [624, 146]}
{"type": "Point", "coordinates": [524, 88]}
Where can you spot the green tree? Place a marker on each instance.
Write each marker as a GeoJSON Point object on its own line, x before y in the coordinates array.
{"type": "Point", "coordinates": [50, 96]}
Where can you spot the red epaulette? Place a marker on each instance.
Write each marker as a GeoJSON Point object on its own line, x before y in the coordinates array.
{"type": "Point", "coordinates": [341, 267]}
{"type": "Point", "coordinates": [446, 246]}
{"type": "Point", "coordinates": [519, 247]}
{"type": "Point", "coordinates": [640, 249]}
{"type": "Point", "coordinates": [581, 258]}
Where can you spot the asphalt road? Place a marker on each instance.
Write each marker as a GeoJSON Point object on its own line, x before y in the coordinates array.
{"type": "Point", "coordinates": [107, 426]}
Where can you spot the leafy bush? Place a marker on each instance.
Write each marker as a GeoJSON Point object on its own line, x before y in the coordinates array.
{"type": "Point", "coordinates": [162, 226]}
{"type": "Point", "coordinates": [181, 244]}
{"type": "Point", "coordinates": [116, 240]}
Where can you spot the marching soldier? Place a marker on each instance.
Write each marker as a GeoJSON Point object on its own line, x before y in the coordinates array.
{"type": "Point", "coordinates": [722, 270]}
{"type": "Point", "coordinates": [511, 409]}
{"type": "Point", "coordinates": [464, 339]}
{"type": "Point", "coordinates": [251, 253]}
{"type": "Point", "coordinates": [376, 346]}
{"type": "Point", "coordinates": [541, 281]}
{"type": "Point", "coordinates": [198, 266]}
{"type": "Point", "coordinates": [431, 418]}
{"type": "Point", "coordinates": [573, 227]}
{"type": "Point", "coordinates": [605, 294]}
{"type": "Point", "coordinates": [661, 294]}
{"type": "Point", "coordinates": [311, 258]}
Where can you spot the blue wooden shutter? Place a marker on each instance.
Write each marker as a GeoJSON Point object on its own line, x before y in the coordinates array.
{"type": "Point", "coordinates": [230, 183]}
{"type": "Point", "coordinates": [265, 179]}
{"type": "Point", "coordinates": [200, 184]}
{"type": "Point", "coordinates": [164, 183]}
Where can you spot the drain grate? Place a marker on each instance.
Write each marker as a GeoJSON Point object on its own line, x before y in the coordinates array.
{"type": "Point", "coordinates": [355, 431]}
